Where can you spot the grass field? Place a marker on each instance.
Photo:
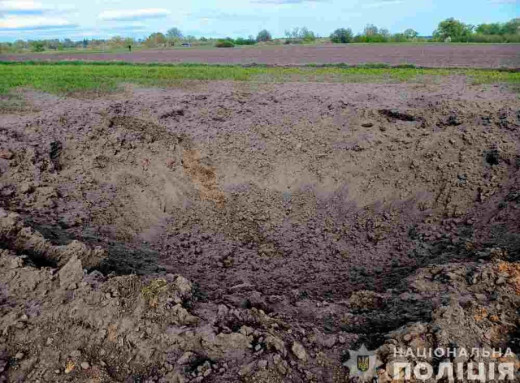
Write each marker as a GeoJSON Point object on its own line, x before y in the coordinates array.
{"type": "Point", "coordinates": [71, 77]}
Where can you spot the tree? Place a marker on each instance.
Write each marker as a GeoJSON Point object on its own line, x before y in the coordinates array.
{"type": "Point", "coordinates": [452, 29]}
{"type": "Point", "coordinates": [342, 36]}
{"type": "Point", "coordinates": [410, 34]}
{"type": "Point", "coordinates": [174, 34]}
{"type": "Point", "coordinates": [116, 41]}
{"type": "Point", "coordinates": [307, 35]}
{"type": "Point", "coordinates": [371, 30]}
{"type": "Point", "coordinates": [512, 27]}
{"type": "Point", "coordinates": [264, 35]}
{"type": "Point", "coordinates": [68, 43]}
{"type": "Point", "coordinates": [384, 32]}
{"type": "Point", "coordinates": [156, 39]}
{"type": "Point", "coordinates": [489, 29]}
{"type": "Point", "coordinates": [37, 46]}
{"type": "Point", "coordinates": [301, 34]}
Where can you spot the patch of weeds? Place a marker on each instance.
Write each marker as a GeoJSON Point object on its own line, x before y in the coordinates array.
{"type": "Point", "coordinates": [152, 291]}
{"type": "Point", "coordinates": [11, 103]}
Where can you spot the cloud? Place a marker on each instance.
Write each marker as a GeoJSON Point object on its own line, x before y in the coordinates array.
{"type": "Point", "coordinates": [30, 7]}
{"type": "Point", "coordinates": [206, 17]}
{"type": "Point", "coordinates": [134, 14]}
{"type": "Point", "coordinates": [13, 22]}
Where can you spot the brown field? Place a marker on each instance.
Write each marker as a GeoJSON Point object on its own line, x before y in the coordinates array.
{"type": "Point", "coordinates": [431, 55]}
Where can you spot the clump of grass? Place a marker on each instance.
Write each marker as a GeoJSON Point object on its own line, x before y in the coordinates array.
{"type": "Point", "coordinates": [98, 78]}
{"type": "Point", "coordinates": [13, 103]}
{"type": "Point", "coordinates": [152, 291]}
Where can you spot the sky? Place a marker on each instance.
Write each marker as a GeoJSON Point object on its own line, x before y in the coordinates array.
{"type": "Point", "coordinates": [46, 19]}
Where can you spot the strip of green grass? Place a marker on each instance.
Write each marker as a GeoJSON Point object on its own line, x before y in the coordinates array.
{"type": "Point", "coordinates": [63, 78]}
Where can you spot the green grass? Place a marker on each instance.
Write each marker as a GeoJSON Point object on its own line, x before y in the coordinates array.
{"type": "Point", "coordinates": [71, 77]}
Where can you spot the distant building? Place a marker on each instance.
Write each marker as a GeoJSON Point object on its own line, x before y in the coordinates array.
{"type": "Point", "coordinates": [186, 45]}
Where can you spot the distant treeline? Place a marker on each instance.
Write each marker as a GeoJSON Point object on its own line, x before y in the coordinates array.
{"type": "Point", "coordinates": [449, 30]}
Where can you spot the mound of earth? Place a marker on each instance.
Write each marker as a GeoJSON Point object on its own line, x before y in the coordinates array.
{"type": "Point", "coordinates": [229, 232]}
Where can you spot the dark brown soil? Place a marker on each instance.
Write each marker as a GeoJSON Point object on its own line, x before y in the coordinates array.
{"type": "Point", "coordinates": [310, 217]}
{"type": "Point", "coordinates": [438, 55]}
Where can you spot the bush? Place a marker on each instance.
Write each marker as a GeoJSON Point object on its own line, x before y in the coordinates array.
{"type": "Point", "coordinates": [341, 36]}
{"type": "Point", "coordinates": [38, 46]}
{"type": "Point", "coordinates": [242, 41]}
{"type": "Point", "coordinates": [264, 36]}
{"type": "Point", "coordinates": [224, 44]}
{"type": "Point", "coordinates": [370, 39]}
{"type": "Point", "coordinates": [497, 39]}
{"type": "Point", "coordinates": [303, 34]}
{"type": "Point", "coordinates": [293, 41]}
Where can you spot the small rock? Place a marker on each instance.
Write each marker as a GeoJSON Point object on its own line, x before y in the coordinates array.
{"type": "Point", "coordinates": [262, 364]}
{"type": "Point", "coordinates": [185, 358]}
{"type": "Point", "coordinates": [299, 351]}
{"type": "Point", "coordinates": [19, 356]}
{"type": "Point", "coordinates": [26, 188]}
{"type": "Point", "coordinates": [71, 273]}
{"type": "Point", "coordinates": [85, 365]}
{"type": "Point", "coordinates": [500, 281]}
{"type": "Point", "coordinates": [247, 369]}
{"type": "Point", "coordinates": [367, 125]}
{"type": "Point", "coordinates": [480, 297]}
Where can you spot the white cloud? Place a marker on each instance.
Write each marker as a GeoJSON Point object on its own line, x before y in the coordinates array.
{"type": "Point", "coordinates": [134, 14]}
{"type": "Point", "coordinates": [23, 5]}
{"type": "Point", "coordinates": [30, 6]}
{"type": "Point", "coordinates": [12, 22]}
